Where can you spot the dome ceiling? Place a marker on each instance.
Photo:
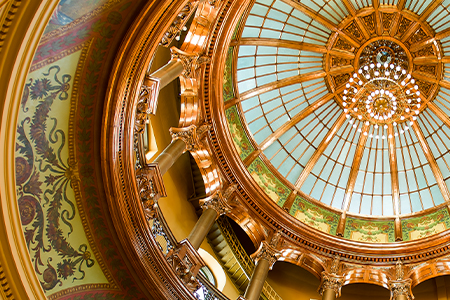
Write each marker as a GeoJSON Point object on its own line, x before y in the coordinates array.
{"type": "Point", "coordinates": [284, 95]}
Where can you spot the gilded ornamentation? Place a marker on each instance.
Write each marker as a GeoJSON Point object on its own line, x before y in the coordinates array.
{"type": "Point", "coordinates": [369, 22]}
{"type": "Point", "coordinates": [341, 79]}
{"type": "Point", "coordinates": [424, 87]}
{"type": "Point", "coordinates": [387, 20]}
{"type": "Point", "coordinates": [191, 61]}
{"type": "Point", "coordinates": [339, 61]}
{"type": "Point", "coordinates": [343, 45]}
{"type": "Point", "coordinates": [353, 29]}
{"type": "Point", "coordinates": [268, 252]}
{"type": "Point", "coordinates": [426, 51]}
{"type": "Point", "coordinates": [403, 26]}
{"type": "Point", "coordinates": [331, 282]}
{"type": "Point", "coordinates": [418, 36]}
{"type": "Point", "coordinates": [178, 23]}
{"type": "Point", "coordinates": [426, 69]}
{"type": "Point", "coordinates": [191, 135]}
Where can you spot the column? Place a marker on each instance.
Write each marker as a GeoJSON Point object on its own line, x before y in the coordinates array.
{"type": "Point", "coordinates": [400, 287]}
{"type": "Point", "coordinates": [170, 155]}
{"type": "Point", "coordinates": [213, 207]}
{"type": "Point", "coordinates": [183, 139]}
{"type": "Point", "coordinates": [265, 257]}
{"type": "Point", "coordinates": [330, 286]}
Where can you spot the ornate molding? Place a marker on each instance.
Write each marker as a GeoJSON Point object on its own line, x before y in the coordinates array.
{"type": "Point", "coordinates": [147, 102]}
{"type": "Point", "coordinates": [268, 252]}
{"type": "Point", "coordinates": [331, 282]}
{"type": "Point", "coordinates": [191, 135]}
{"type": "Point", "coordinates": [191, 61]}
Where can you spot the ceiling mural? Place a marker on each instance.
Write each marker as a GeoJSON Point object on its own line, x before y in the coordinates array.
{"type": "Point", "coordinates": [318, 119]}
{"type": "Point", "coordinates": [59, 191]}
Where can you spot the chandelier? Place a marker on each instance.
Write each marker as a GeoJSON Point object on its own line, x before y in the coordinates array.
{"type": "Point", "coordinates": [381, 95]}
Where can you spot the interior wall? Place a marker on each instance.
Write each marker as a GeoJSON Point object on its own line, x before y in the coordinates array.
{"type": "Point", "coordinates": [178, 212]}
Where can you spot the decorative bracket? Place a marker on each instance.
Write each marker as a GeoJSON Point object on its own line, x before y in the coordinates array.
{"type": "Point", "coordinates": [179, 22]}
{"type": "Point", "coordinates": [191, 61]}
{"type": "Point", "coordinates": [150, 187]}
{"type": "Point", "coordinates": [186, 262]}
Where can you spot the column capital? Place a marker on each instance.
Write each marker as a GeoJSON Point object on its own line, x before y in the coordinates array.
{"type": "Point", "coordinates": [191, 135]}
{"type": "Point", "coordinates": [401, 287]}
{"type": "Point", "coordinates": [191, 61]}
{"type": "Point", "coordinates": [268, 252]}
{"type": "Point", "coordinates": [218, 201]}
{"type": "Point", "coordinates": [331, 282]}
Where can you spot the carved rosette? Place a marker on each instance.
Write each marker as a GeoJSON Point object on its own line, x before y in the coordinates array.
{"type": "Point", "coordinates": [331, 282]}
{"type": "Point", "coordinates": [191, 61]}
{"type": "Point", "coordinates": [150, 187]}
{"type": "Point", "coordinates": [218, 201]}
{"type": "Point", "coordinates": [191, 135]}
{"type": "Point", "coordinates": [147, 102]}
{"type": "Point", "coordinates": [401, 287]}
{"type": "Point", "coordinates": [268, 252]}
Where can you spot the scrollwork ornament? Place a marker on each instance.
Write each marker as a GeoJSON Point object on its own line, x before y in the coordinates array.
{"type": "Point", "coordinates": [399, 273]}
{"type": "Point", "coordinates": [179, 22]}
{"type": "Point", "coordinates": [146, 102]}
{"type": "Point", "coordinates": [331, 282]}
{"type": "Point", "coordinates": [335, 265]}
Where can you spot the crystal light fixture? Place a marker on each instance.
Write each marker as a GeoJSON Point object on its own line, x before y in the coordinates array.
{"type": "Point", "coordinates": [380, 95]}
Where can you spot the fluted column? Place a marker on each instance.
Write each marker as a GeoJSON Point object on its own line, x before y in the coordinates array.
{"type": "Point", "coordinates": [213, 207]}
{"type": "Point", "coordinates": [265, 257]}
{"type": "Point", "coordinates": [400, 287]}
{"type": "Point", "coordinates": [331, 283]}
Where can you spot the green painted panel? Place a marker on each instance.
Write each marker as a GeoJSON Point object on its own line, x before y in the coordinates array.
{"type": "Point", "coordinates": [369, 231]}
{"type": "Point", "coordinates": [424, 226]}
{"type": "Point", "coordinates": [228, 92]}
{"type": "Point", "coordinates": [273, 187]}
{"type": "Point", "coordinates": [314, 216]}
{"type": "Point", "coordinates": [240, 140]}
